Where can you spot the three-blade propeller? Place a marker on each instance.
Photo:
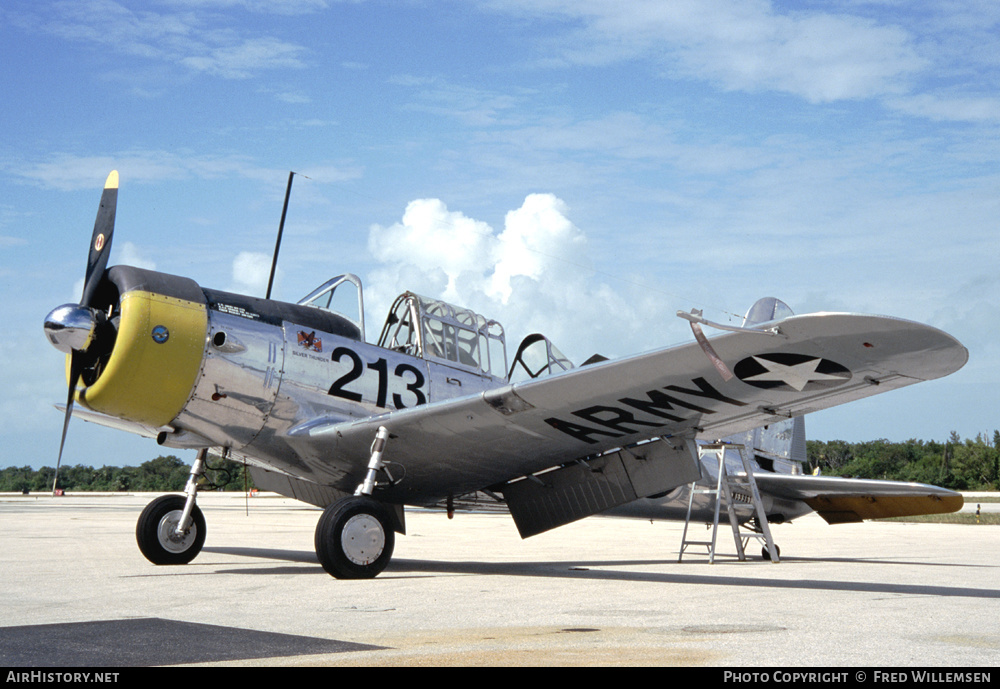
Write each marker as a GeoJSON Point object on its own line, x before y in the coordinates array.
{"type": "Point", "coordinates": [72, 327]}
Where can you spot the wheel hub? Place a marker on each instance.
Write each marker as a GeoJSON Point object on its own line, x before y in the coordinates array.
{"type": "Point", "coordinates": [167, 533]}
{"type": "Point", "coordinates": [362, 539]}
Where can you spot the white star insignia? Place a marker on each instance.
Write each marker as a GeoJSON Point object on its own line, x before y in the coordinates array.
{"type": "Point", "coordinates": [795, 376]}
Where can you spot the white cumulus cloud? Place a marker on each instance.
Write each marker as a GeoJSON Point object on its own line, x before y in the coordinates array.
{"type": "Point", "coordinates": [532, 276]}
{"type": "Point", "coordinates": [250, 273]}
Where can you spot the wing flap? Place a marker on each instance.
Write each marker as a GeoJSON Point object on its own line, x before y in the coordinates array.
{"type": "Point", "coordinates": [297, 489]}
{"type": "Point", "coordinates": [582, 488]}
{"type": "Point", "coordinates": [312, 493]}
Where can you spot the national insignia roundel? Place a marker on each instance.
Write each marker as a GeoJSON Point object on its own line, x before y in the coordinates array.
{"type": "Point", "coordinates": [786, 371]}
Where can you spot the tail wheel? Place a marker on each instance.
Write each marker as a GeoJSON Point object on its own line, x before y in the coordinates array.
{"type": "Point", "coordinates": [156, 532]}
{"type": "Point", "coordinates": [354, 538]}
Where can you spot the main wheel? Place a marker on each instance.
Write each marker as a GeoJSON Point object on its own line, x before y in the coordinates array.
{"type": "Point", "coordinates": [766, 554]}
{"type": "Point", "coordinates": [354, 538]}
{"type": "Point", "coordinates": [155, 532]}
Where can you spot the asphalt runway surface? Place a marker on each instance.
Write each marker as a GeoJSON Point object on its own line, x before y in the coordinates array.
{"type": "Point", "coordinates": [469, 591]}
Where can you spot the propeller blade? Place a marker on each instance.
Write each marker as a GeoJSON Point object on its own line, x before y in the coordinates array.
{"type": "Point", "coordinates": [100, 242]}
{"type": "Point", "coordinates": [75, 370]}
{"type": "Point", "coordinates": [71, 328]}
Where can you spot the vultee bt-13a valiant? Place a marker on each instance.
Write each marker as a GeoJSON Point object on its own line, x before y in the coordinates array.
{"type": "Point", "coordinates": [433, 410]}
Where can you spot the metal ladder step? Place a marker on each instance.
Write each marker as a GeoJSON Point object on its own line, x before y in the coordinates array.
{"type": "Point", "coordinates": [726, 485]}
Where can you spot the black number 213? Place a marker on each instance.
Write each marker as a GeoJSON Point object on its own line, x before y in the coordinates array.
{"type": "Point", "coordinates": [381, 367]}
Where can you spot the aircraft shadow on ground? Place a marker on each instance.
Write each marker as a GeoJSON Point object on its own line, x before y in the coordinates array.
{"type": "Point", "coordinates": [606, 569]}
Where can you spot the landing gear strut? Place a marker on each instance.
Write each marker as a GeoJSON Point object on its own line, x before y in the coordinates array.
{"type": "Point", "coordinates": [171, 530]}
{"type": "Point", "coordinates": [354, 537]}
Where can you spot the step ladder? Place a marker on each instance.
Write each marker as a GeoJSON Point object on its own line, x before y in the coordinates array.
{"type": "Point", "coordinates": [727, 487]}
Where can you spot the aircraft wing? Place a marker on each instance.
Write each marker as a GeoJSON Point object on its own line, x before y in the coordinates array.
{"type": "Point", "coordinates": [603, 412]}
{"type": "Point", "coordinates": [844, 500]}
{"type": "Point", "coordinates": [100, 419]}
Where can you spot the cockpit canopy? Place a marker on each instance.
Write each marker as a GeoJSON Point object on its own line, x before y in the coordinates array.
{"type": "Point", "coordinates": [441, 332]}
{"type": "Point", "coordinates": [537, 357]}
{"type": "Point", "coordinates": [326, 298]}
{"type": "Point", "coordinates": [447, 334]}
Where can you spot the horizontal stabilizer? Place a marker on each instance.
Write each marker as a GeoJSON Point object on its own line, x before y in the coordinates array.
{"type": "Point", "coordinates": [845, 500]}
{"type": "Point", "coordinates": [847, 509]}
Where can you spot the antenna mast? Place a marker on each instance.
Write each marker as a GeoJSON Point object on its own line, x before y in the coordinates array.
{"type": "Point", "coordinates": [281, 229]}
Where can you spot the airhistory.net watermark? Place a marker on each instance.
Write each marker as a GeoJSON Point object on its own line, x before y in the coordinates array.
{"type": "Point", "coordinates": [47, 676]}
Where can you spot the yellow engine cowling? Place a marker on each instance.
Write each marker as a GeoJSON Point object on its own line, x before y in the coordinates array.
{"type": "Point", "coordinates": [158, 351]}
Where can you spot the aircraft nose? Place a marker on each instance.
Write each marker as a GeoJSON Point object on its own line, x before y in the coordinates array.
{"type": "Point", "coordinates": [70, 327]}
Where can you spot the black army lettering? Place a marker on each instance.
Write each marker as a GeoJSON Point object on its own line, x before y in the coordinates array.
{"type": "Point", "coordinates": [616, 421]}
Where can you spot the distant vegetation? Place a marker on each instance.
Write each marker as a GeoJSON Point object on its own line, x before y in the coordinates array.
{"type": "Point", "coordinates": [163, 474]}
{"type": "Point", "coordinates": [971, 464]}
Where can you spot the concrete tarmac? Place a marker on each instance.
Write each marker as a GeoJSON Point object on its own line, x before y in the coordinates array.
{"type": "Point", "coordinates": [468, 591]}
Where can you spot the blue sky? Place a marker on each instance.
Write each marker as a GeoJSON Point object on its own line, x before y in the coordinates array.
{"type": "Point", "coordinates": [584, 168]}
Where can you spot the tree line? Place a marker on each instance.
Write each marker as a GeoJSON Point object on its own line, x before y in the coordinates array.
{"type": "Point", "coordinates": [970, 464]}
{"type": "Point", "coordinates": [163, 474]}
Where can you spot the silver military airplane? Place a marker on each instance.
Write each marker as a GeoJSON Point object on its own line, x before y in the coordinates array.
{"type": "Point", "coordinates": [433, 410]}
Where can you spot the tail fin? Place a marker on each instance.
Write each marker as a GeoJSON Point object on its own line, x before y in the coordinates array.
{"type": "Point", "coordinates": [766, 309]}
{"type": "Point", "coordinates": [780, 446]}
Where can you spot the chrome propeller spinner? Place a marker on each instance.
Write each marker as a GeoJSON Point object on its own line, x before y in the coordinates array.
{"type": "Point", "coordinates": [71, 327]}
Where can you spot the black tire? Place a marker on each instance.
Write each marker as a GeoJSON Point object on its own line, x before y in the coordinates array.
{"type": "Point", "coordinates": [766, 554]}
{"type": "Point", "coordinates": [354, 538]}
{"type": "Point", "coordinates": [153, 532]}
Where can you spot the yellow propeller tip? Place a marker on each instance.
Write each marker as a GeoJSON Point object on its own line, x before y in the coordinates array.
{"type": "Point", "coordinates": [112, 182]}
